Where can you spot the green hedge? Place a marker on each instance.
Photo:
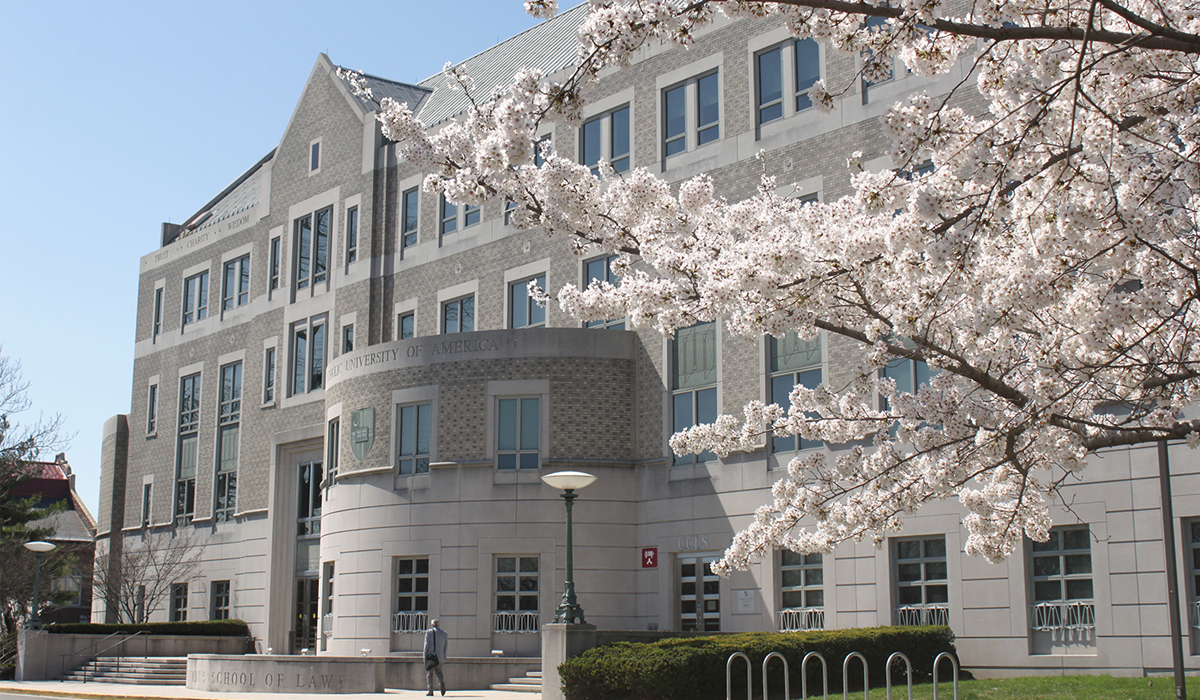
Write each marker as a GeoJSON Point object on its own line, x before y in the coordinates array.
{"type": "Point", "coordinates": [205, 628]}
{"type": "Point", "coordinates": [693, 668]}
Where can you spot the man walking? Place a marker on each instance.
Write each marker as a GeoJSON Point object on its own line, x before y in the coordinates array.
{"type": "Point", "coordinates": [435, 654]}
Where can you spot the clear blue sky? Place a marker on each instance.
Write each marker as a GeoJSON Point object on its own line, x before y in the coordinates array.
{"type": "Point", "coordinates": [117, 116]}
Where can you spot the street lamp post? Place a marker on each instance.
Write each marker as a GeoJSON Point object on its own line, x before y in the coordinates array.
{"type": "Point", "coordinates": [38, 548]}
{"type": "Point", "coordinates": [569, 610]}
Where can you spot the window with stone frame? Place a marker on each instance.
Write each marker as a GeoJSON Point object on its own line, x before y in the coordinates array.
{"type": "Point", "coordinates": [195, 298]}
{"type": "Point", "coordinates": [235, 285]}
{"type": "Point", "coordinates": [518, 434]}
{"type": "Point", "coordinates": [1061, 579]}
{"type": "Point", "coordinates": [596, 271]}
{"type": "Point", "coordinates": [351, 234]}
{"type": "Point", "coordinates": [793, 362]}
{"type": "Point", "coordinates": [691, 113]}
{"type": "Point", "coordinates": [458, 315]}
{"type": "Point", "coordinates": [188, 448]}
{"type": "Point", "coordinates": [414, 429]}
{"type": "Point", "coordinates": [693, 382]}
{"type": "Point", "coordinates": [795, 64]}
{"type": "Point", "coordinates": [311, 235]}
{"type": "Point", "coordinates": [801, 591]}
{"type": "Point", "coordinates": [220, 601]}
{"type": "Point", "coordinates": [606, 137]}
{"type": "Point", "coordinates": [922, 591]}
{"type": "Point", "coordinates": [409, 212]}
{"type": "Point", "coordinates": [308, 355]}
{"type": "Point", "coordinates": [229, 413]}
{"type": "Point", "coordinates": [179, 602]}
{"type": "Point", "coordinates": [523, 311]}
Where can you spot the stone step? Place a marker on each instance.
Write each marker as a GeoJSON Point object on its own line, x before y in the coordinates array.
{"type": "Point", "coordinates": [527, 680]}
{"type": "Point", "coordinates": [517, 687]}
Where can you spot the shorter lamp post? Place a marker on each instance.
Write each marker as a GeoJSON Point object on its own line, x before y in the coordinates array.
{"type": "Point", "coordinates": [569, 609]}
{"type": "Point", "coordinates": [38, 548]}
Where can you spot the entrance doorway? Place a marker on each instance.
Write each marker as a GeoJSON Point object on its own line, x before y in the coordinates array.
{"type": "Point", "coordinates": [699, 594]}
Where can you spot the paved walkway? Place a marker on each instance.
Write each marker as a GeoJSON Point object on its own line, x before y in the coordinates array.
{"type": "Point", "coordinates": [111, 691]}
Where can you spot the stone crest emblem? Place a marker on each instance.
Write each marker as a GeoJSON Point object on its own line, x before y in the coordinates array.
{"type": "Point", "coordinates": [362, 432]}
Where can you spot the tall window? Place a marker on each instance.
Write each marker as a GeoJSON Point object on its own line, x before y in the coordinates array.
{"type": "Point", "coordinates": [458, 315]}
{"type": "Point", "coordinates": [312, 247]}
{"type": "Point", "coordinates": [179, 601]}
{"type": "Point", "coordinates": [308, 356]}
{"type": "Point", "coordinates": [517, 584]}
{"type": "Point", "coordinates": [269, 375]}
{"type": "Point", "coordinates": [406, 325]}
{"type": "Point", "coordinates": [236, 285]}
{"type": "Point", "coordinates": [795, 63]}
{"type": "Point", "coordinates": [158, 298]}
{"type": "Point", "coordinates": [885, 66]}
{"type": "Point", "coordinates": [152, 410]}
{"type": "Point", "coordinates": [348, 337]}
{"type": "Point", "coordinates": [229, 414]}
{"type": "Point", "coordinates": [332, 445]}
{"type": "Point", "coordinates": [351, 234]}
{"type": "Point", "coordinates": [314, 157]}
{"type": "Point", "coordinates": [409, 211]}
{"type": "Point", "coordinates": [802, 591]}
{"type": "Point", "coordinates": [524, 312]}
{"type": "Point", "coordinates": [274, 263]}
{"type": "Point", "coordinates": [146, 503]}
{"type": "Point", "coordinates": [412, 588]}
{"type": "Point", "coordinates": [195, 298]}
{"type": "Point", "coordinates": [599, 270]}
{"type": "Point", "coordinates": [518, 434]}
{"type": "Point", "coordinates": [308, 514]}
{"type": "Point", "coordinates": [189, 428]}
{"type": "Point", "coordinates": [1193, 566]}
{"type": "Point", "coordinates": [922, 593]}
{"type": "Point", "coordinates": [693, 382]}
{"type": "Point", "coordinates": [606, 137]}
{"type": "Point", "coordinates": [691, 107]}
{"type": "Point", "coordinates": [794, 362]}
{"type": "Point", "coordinates": [220, 601]}
{"type": "Point", "coordinates": [413, 438]}
{"type": "Point", "coordinates": [1063, 596]}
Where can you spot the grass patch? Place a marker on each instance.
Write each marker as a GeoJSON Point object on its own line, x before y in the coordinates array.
{"type": "Point", "coordinates": [1040, 688]}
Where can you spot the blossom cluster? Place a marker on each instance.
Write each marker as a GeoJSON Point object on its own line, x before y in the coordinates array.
{"type": "Point", "coordinates": [1045, 265]}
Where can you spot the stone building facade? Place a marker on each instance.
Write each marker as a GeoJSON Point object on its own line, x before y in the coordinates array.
{"type": "Point", "coordinates": [342, 391]}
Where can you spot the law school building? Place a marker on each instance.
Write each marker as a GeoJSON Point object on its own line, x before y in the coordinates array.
{"type": "Point", "coordinates": [344, 400]}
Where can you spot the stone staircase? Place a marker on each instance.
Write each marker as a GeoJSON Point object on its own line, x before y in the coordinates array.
{"type": "Point", "coordinates": [531, 682]}
{"type": "Point", "coordinates": [133, 670]}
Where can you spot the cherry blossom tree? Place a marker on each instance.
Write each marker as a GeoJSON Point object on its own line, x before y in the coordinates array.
{"type": "Point", "coordinates": [1045, 268]}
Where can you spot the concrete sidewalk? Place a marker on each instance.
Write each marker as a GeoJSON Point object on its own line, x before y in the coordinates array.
{"type": "Point", "coordinates": [111, 691]}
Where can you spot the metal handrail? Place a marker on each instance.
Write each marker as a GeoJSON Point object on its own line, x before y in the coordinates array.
{"type": "Point", "coordinates": [787, 683]}
{"type": "Point", "coordinates": [62, 660]}
{"type": "Point", "coordinates": [932, 614]}
{"type": "Point", "coordinates": [1056, 616]}
{"type": "Point", "coordinates": [804, 674]}
{"type": "Point", "coordinates": [887, 673]}
{"type": "Point", "coordinates": [846, 676]}
{"type": "Point", "coordinates": [410, 622]}
{"type": "Point", "coordinates": [729, 676]}
{"type": "Point", "coordinates": [505, 622]}
{"type": "Point", "coordinates": [799, 619]}
{"type": "Point", "coordinates": [953, 663]}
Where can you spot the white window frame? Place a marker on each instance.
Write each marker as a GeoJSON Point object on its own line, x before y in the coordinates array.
{"type": "Point", "coordinates": [158, 305]}
{"type": "Point", "coordinates": [410, 397]}
{"type": "Point", "coordinates": [687, 76]}
{"type": "Point", "coordinates": [461, 217]}
{"type": "Point", "coordinates": [415, 231]}
{"type": "Point", "coordinates": [517, 389]}
{"type": "Point", "coordinates": [153, 399]}
{"type": "Point", "coordinates": [199, 310]}
{"type": "Point", "coordinates": [309, 326]}
{"type": "Point", "coordinates": [310, 283]}
{"type": "Point", "coordinates": [522, 275]}
{"type": "Point", "coordinates": [458, 291]}
{"type": "Point", "coordinates": [314, 153]}
{"type": "Point", "coordinates": [352, 223]}
{"type": "Point", "coordinates": [819, 365]}
{"type": "Point", "coordinates": [806, 616]}
{"type": "Point", "coordinates": [408, 307]}
{"type": "Point", "coordinates": [790, 95]}
{"type": "Point", "coordinates": [271, 372]}
{"type": "Point", "coordinates": [673, 391]}
{"type": "Point", "coordinates": [926, 612]}
{"type": "Point", "coordinates": [605, 122]}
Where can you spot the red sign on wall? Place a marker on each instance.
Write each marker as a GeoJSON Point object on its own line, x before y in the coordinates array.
{"type": "Point", "coordinates": [649, 557]}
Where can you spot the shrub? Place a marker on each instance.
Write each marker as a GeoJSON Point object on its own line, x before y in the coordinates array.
{"type": "Point", "coordinates": [693, 668]}
{"type": "Point", "coordinates": [206, 628]}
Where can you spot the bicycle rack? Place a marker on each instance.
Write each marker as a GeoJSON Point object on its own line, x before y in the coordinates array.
{"type": "Point", "coordinates": [749, 675]}
{"type": "Point", "coordinates": [787, 684]}
{"type": "Point", "coordinates": [804, 674]}
{"type": "Point", "coordinates": [954, 665]}
{"type": "Point", "coordinates": [888, 673]}
{"type": "Point", "coordinates": [846, 676]}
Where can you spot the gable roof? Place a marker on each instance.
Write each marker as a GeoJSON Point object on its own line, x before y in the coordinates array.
{"type": "Point", "coordinates": [549, 47]}
{"type": "Point", "coordinates": [400, 92]}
